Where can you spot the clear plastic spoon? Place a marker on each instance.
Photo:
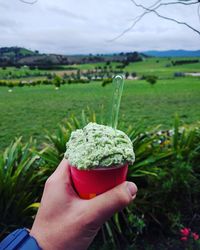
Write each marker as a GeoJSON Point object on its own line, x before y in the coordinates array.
{"type": "Point", "coordinates": [118, 83]}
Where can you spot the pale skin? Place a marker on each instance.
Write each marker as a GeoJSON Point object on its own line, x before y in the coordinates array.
{"type": "Point", "coordinates": [64, 221]}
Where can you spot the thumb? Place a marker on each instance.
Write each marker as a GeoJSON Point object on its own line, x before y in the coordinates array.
{"type": "Point", "coordinates": [105, 205]}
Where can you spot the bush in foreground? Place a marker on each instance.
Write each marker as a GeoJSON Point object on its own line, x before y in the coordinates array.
{"type": "Point", "coordinates": [20, 185]}
{"type": "Point", "coordinates": [166, 171]}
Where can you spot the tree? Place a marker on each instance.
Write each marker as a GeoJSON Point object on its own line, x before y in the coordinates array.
{"type": "Point", "coordinates": [151, 79]}
{"type": "Point", "coordinates": [106, 82]}
{"type": "Point", "coordinates": [20, 84]}
{"type": "Point", "coordinates": [78, 74]}
{"type": "Point", "coordinates": [57, 81]}
{"type": "Point", "coordinates": [155, 9]}
{"type": "Point", "coordinates": [127, 75]}
{"type": "Point", "coordinates": [133, 74]}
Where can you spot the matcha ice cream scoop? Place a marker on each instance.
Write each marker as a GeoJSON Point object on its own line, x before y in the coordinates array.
{"type": "Point", "coordinates": [96, 146]}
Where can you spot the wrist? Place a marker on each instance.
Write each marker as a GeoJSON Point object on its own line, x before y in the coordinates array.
{"type": "Point", "coordinates": [46, 241]}
{"type": "Point", "coordinates": [20, 239]}
{"type": "Point", "coordinates": [43, 243]}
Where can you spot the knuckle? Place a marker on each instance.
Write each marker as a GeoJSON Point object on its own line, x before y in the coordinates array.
{"type": "Point", "coordinates": [88, 220]}
{"type": "Point", "coordinates": [124, 197]}
{"type": "Point", "coordinates": [49, 182]}
{"type": "Point", "coordinates": [89, 224]}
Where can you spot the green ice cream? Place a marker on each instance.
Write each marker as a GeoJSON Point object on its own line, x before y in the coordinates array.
{"type": "Point", "coordinates": [97, 146]}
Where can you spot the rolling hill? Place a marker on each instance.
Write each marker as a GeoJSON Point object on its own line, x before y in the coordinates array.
{"type": "Point", "coordinates": [15, 56]}
{"type": "Point", "coordinates": [173, 53]}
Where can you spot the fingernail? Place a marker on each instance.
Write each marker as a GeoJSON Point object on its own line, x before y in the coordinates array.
{"type": "Point", "coordinates": [132, 188]}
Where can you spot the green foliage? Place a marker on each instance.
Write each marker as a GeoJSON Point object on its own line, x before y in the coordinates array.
{"type": "Point", "coordinates": [71, 81]}
{"type": "Point", "coordinates": [57, 81]}
{"type": "Point", "coordinates": [155, 153]}
{"type": "Point", "coordinates": [133, 74]}
{"type": "Point", "coordinates": [126, 75]}
{"type": "Point", "coordinates": [167, 165]}
{"type": "Point", "coordinates": [53, 153]}
{"type": "Point", "coordinates": [178, 180]}
{"type": "Point", "coordinates": [166, 170]}
{"type": "Point", "coordinates": [24, 73]}
{"type": "Point", "coordinates": [106, 81]}
{"type": "Point", "coordinates": [10, 85]}
{"type": "Point", "coordinates": [151, 79]}
{"type": "Point", "coordinates": [20, 185]}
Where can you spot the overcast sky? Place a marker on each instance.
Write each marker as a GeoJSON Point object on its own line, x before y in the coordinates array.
{"type": "Point", "coordinates": [87, 26]}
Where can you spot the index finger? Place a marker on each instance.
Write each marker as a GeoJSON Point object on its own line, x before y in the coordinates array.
{"type": "Point", "coordinates": [62, 172]}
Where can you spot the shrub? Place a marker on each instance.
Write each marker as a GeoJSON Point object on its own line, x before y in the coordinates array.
{"type": "Point", "coordinates": [70, 81]}
{"type": "Point", "coordinates": [127, 75]}
{"type": "Point", "coordinates": [106, 82]}
{"type": "Point", "coordinates": [179, 74]}
{"type": "Point", "coordinates": [57, 81]}
{"type": "Point", "coordinates": [10, 85]}
{"type": "Point", "coordinates": [133, 74]}
{"type": "Point", "coordinates": [119, 227]}
{"type": "Point", "coordinates": [20, 185]}
{"type": "Point", "coordinates": [166, 172]}
{"type": "Point", "coordinates": [151, 79]}
{"type": "Point", "coordinates": [166, 166]}
{"type": "Point", "coordinates": [20, 84]}
{"type": "Point", "coordinates": [178, 172]}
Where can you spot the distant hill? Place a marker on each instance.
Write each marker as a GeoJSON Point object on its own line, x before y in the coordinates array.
{"type": "Point", "coordinates": [15, 56]}
{"type": "Point", "coordinates": [15, 51]}
{"type": "Point", "coordinates": [173, 53]}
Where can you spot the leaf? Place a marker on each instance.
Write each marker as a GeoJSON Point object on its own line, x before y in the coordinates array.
{"type": "Point", "coordinates": [33, 205]}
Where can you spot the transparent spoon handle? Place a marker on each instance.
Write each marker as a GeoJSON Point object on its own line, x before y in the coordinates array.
{"type": "Point", "coordinates": [118, 83]}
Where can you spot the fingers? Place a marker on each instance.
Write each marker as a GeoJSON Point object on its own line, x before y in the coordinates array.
{"type": "Point", "coordinates": [62, 172]}
{"type": "Point", "coordinates": [106, 204]}
{"type": "Point", "coordinates": [60, 180]}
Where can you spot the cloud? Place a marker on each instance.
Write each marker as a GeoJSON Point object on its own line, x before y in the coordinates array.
{"type": "Point", "coordinates": [72, 27]}
{"type": "Point", "coordinates": [65, 13]}
{"type": "Point", "coordinates": [4, 6]}
{"type": "Point", "coordinates": [7, 23]}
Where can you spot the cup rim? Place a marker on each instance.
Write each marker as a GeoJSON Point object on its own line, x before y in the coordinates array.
{"type": "Point", "coordinates": [102, 168]}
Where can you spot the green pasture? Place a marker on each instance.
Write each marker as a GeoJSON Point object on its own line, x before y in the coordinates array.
{"type": "Point", "coordinates": [22, 72]}
{"type": "Point", "coordinates": [90, 66]}
{"type": "Point", "coordinates": [25, 79]}
{"type": "Point", "coordinates": [162, 67]}
{"type": "Point", "coordinates": [29, 111]}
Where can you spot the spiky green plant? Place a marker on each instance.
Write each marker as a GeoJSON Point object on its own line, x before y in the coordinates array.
{"type": "Point", "coordinates": [20, 185]}
{"type": "Point", "coordinates": [185, 140]}
{"type": "Point", "coordinates": [174, 194]}
{"type": "Point", "coordinates": [54, 149]}
{"type": "Point", "coordinates": [162, 162]}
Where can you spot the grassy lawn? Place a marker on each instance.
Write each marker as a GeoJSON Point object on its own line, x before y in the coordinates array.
{"type": "Point", "coordinates": [28, 111]}
{"type": "Point", "coordinates": [93, 65]}
{"type": "Point", "coordinates": [162, 67]}
{"type": "Point", "coordinates": [23, 72]}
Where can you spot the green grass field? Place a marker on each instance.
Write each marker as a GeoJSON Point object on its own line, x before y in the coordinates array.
{"type": "Point", "coordinates": [12, 73]}
{"type": "Point", "coordinates": [28, 111]}
{"type": "Point", "coordinates": [162, 67]}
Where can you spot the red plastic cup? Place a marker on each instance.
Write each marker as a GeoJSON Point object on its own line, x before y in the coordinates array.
{"type": "Point", "coordinates": [90, 183]}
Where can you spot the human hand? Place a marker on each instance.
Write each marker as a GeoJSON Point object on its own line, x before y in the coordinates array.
{"type": "Point", "coordinates": [64, 221]}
